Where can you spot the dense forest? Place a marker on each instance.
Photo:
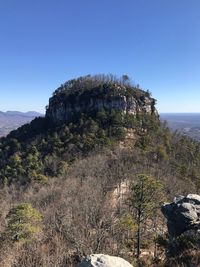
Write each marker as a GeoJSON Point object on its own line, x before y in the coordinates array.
{"type": "Point", "coordinates": [73, 187]}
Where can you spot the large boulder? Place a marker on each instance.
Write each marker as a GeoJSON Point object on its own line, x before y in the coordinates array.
{"type": "Point", "coordinates": [182, 214]}
{"type": "Point", "coordinates": [101, 260]}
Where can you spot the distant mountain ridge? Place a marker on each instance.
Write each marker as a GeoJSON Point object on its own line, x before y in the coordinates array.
{"type": "Point", "coordinates": [11, 120]}
{"type": "Point", "coordinates": [26, 114]}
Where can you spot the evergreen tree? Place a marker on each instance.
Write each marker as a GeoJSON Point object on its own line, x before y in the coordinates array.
{"type": "Point", "coordinates": [145, 198]}
{"type": "Point", "coordinates": [23, 222]}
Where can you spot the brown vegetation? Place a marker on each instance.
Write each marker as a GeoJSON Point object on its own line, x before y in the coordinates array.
{"type": "Point", "coordinates": [78, 216]}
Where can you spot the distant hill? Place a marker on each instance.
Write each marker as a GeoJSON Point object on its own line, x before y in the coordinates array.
{"type": "Point", "coordinates": [24, 114]}
{"type": "Point", "coordinates": [11, 120]}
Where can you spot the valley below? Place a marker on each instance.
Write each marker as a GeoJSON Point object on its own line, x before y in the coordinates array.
{"type": "Point", "coordinates": [12, 120]}
{"type": "Point", "coordinates": [187, 124]}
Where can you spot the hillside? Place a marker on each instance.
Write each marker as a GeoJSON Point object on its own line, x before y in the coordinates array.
{"type": "Point", "coordinates": [82, 114]}
{"type": "Point", "coordinates": [71, 181]}
{"type": "Point", "coordinates": [12, 120]}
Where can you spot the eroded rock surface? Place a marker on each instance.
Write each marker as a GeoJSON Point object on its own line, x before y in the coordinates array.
{"type": "Point", "coordinates": [182, 214]}
{"type": "Point", "coordinates": [101, 260]}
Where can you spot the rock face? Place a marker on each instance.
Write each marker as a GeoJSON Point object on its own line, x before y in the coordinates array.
{"type": "Point", "coordinates": [182, 214]}
{"type": "Point", "coordinates": [101, 260]}
{"type": "Point", "coordinates": [86, 97]}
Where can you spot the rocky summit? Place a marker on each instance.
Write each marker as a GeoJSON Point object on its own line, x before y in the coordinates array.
{"type": "Point", "coordinates": [101, 260]}
{"type": "Point", "coordinates": [182, 215]}
{"type": "Point", "coordinates": [92, 94]}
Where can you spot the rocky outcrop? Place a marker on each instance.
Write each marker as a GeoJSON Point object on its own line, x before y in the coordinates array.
{"type": "Point", "coordinates": [101, 260]}
{"type": "Point", "coordinates": [182, 215]}
{"type": "Point", "coordinates": [68, 101]}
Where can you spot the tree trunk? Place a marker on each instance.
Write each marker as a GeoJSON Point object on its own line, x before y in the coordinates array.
{"type": "Point", "coordinates": [138, 241]}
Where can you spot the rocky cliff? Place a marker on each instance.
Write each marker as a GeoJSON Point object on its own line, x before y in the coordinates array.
{"type": "Point", "coordinates": [89, 94]}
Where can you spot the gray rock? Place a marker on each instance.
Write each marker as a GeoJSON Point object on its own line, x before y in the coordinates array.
{"type": "Point", "coordinates": [182, 214]}
{"type": "Point", "coordinates": [101, 260]}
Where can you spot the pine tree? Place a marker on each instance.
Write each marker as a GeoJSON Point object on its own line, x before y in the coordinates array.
{"type": "Point", "coordinates": [145, 198]}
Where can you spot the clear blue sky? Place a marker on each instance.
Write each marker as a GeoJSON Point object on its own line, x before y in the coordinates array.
{"type": "Point", "coordinates": [43, 43]}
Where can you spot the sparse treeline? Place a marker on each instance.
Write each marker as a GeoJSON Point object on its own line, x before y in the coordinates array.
{"type": "Point", "coordinates": [92, 81]}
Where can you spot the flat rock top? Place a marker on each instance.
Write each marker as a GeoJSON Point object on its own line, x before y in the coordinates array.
{"type": "Point", "coordinates": [101, 260]}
